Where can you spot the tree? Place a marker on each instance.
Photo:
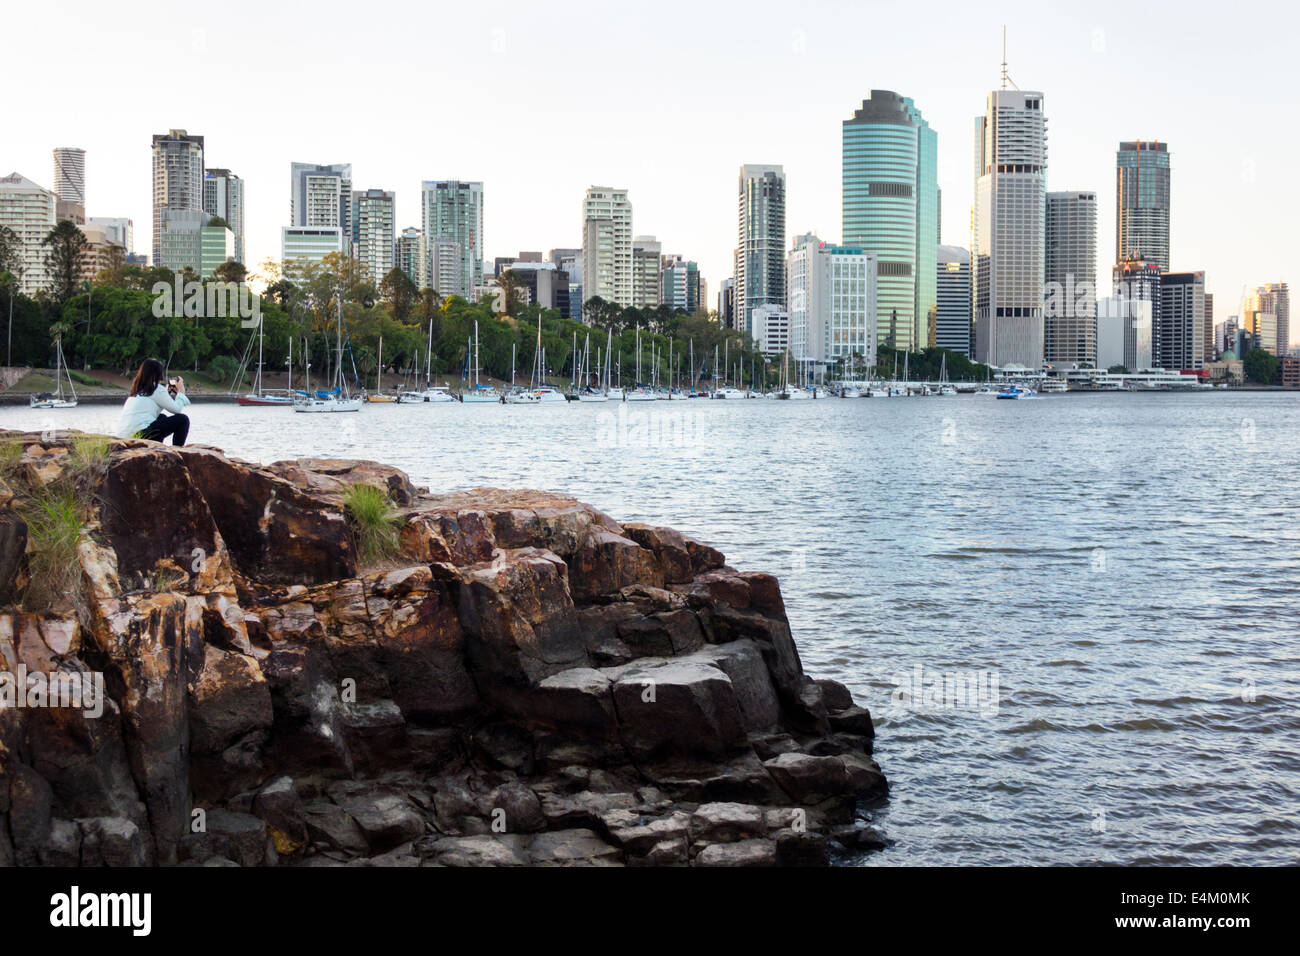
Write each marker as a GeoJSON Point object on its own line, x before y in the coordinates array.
{"type": "Point", "coordinates": [510, 284]}
{"type": "Point", "coordinates": [1261, 367]}
{"type": "Point", "coordinates": [231, 271]}
{"type": "Point", "coordinates": [1118, 370]}
{"type": "Point", "coordinates": [113, 270]}
{"type": "Point", "coordinates": [397, 289]}
{"type": "Point", "coordinates": [65, 258]}
{"type": "Point", "coordinates": [9, 250]}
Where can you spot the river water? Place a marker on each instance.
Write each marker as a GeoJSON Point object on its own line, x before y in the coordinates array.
{"type": "Point", "coordinates": [1104, 590]}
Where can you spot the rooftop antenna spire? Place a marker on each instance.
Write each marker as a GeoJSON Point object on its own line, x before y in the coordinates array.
{"type": "Point", "coordinates": [1005, 77]}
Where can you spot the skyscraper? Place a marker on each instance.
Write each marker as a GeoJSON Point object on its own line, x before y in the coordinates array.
{"type": "Point", "coordinates": [412, 256]}
{"type": "Point", "coordinates": [1272, 298]}
{"type": "Point", "coordinates": [952, 299]}
{"type": "Point", "coordinates": [760, 251]}
{"type": "Point", "coordinates": [177, 181]}
{"type": "Point", "coordinates": [607, 245]}
{"type": "Point", "coordinates": [1182, 321]}
{"type": "Point", "coordinates": [452, 210]}
{"type": "Point", "coordinates": [223, 195]}
{"type": "Point", "coordinates": [832, 310]}
{"type": "Point", "coordinates": [1070, 254]}
{"type": "Point", "coordinates": [646, 266]}
{"type": "Point", "coordinates": [890, 206]}
{"type": "Point", "coordinates": [373, 230]}
{"type": "Point", "coordinates": [1138, 280]}
{"type": "Point", "coordinates": [70, 183]}
{"type": "Point", "coordinates": [1007, 253]}
{"type": "Point", "coordinates": [680, 285]}
{"type": "Point", "coordinates": [321, 196]}
{"type": "Point", "coordinates": [1142, 202]}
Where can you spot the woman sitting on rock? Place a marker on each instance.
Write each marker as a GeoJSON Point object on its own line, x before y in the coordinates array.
{"type": "Point", "coordinates": [143, 413]}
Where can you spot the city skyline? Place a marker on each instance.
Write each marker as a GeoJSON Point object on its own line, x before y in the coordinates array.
{"type": "Point", "coordinates": [1091, 59]}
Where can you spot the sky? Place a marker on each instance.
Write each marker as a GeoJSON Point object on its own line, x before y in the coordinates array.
{"type": "Point", "coordinates": [667, 99]}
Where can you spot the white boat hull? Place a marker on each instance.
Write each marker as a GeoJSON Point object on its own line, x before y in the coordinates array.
{"type": "Point", "coordinates": [325, 405]}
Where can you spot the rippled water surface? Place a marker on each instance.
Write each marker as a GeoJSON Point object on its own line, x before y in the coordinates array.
{"type": "Point", "coordinates": [1125, 566]}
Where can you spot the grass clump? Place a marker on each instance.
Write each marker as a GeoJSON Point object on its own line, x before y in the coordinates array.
{"type": "Point", "coordinates": [374, 522]}
{"type": "Point", "coordinates": [11, 452]}
{"type": "Point", "coordinates": [91, 450]}
{"type": "Point", "coordinates": [54, 529]}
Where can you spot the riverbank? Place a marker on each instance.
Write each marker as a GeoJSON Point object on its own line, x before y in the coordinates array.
{"type": "Point", "coordinates": [516, 678]}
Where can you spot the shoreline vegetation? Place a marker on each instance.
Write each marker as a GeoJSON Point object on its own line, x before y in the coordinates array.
{"type": "Point", "coordinates": [315, 663]}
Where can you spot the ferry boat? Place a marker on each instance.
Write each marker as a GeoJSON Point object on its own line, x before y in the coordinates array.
{"type": "Point", "coordinates": [1015, 391]}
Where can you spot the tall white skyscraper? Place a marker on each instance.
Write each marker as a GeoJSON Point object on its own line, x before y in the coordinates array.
{"type": "Point", "coordinates": [373, 232]}
{"type": "Point", "coordinates": [452, 211]}
{"type": "Point", "coordinates": [321, 195]}
{"type": "Point", "coordinates": [1070, 253]}
{"type": "Point", "coordinates": [1008, 229]}
{"type": "Point", "coordinates": [760, 247]}
{"type": "Point", "coordinates": [70, 183]}
{"type": "Point", "coordinates": [223, 195]}
{"type": "Point", "coordinates": [177, 182]}
{"type": "Point", "coordinates": [607, 246]}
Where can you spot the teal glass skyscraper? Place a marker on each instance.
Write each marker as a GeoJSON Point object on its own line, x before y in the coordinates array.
{"type": "Point", "coordinates": [891, 208]}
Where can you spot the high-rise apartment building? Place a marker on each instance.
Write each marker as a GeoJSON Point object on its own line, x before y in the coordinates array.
{"type": "Point", "coordinates": [70, 183]}
{"type": "Point", "coordinates": [321, 196]}
{"type": "Point", "coordinates": [727, 304]}
{"type": "Point", "coordinates": [28, 210]}
{"type": "Point", "coordinates": [1211, 353]}
{"type": "Point", "coordinates": [1142, 202]}
{"type": "Point", "coordinates": [646, 267]}
{"type": "Point", "coordinates": [1070, 257]}
{"type": "Point", "coordinates": [679, 285]}
{"type": "Point", "coordinates": [760, 250]}
{"type": "Point", "coordinates": [890, 206]}
{"type": "Point", "coordinates": [1007, 253]}
{"type": "Point", "coordinates": [223, 196]}
{"type": "Point", "coordinates": [177, 180]}
{"type": "Point", "coordinates": [373, 231]}
{"type": "Point", "coordinates": [452, 211]}
{"type": "Point", "coordinates": [412, 256]}
{"type": "Point", "coordinates": [832, 295]}
{"type": "Point", "coordinates": [952, 316]}
{"type": "Point", "coordinates": [1272, 298]}
{"type": "Point", "coordinates": [607, 246]}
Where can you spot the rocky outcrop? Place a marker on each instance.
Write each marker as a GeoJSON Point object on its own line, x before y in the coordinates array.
{"type": "Point", "coordinates": [528, 682]}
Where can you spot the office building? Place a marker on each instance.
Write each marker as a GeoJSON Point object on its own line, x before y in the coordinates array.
{"type": "Point", "coordinates": [890, 206]}
{"type": "Point", "coordinates": [300, 245]}
{"type": "Point", "coordinates": [831, 304]}
{"type": "Point", "coordinates": [117, 230]}
{"type": "Point", "coordinates": [760, 250]}
{"type": "Point", "coordinates": [1123, 333]}
{"type": "Point", "coordinates": [1070, 257]}
{"type": "Point", "coordinates": [769, 327]}
{"type": "Point", "coordinates": [1142, 202]}
{"type": "Point", "coordinates": [952, 317]}
{"type": "Point", "coordinates": [1182, 321]}
{"type": "Point", "coordinates": [1009, 229]}
{"type": "Point", "coordinates": [1272, 298]}
{"type": "Point", "coordinates": [177, 182]}
{"type": "Point", "coordinates": [679, 285]}
{"type": "Point", "coordinates": [1139, 279]}
{"type": "Point", "coordinates": [727, 304]}
{"type": "Point", "coordinates": [646, 269]}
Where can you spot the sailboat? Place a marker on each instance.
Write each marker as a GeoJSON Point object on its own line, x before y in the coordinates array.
{"type": "Point", "coordinates": [378, 394]}
{"type": "Point", "coordinates": [58, 399]}
{"type": "Point", "coordinates": [639, 393]}
{"type": "Point", "coordinates": [587, 392]}
{"type": "Point", "coordinates": [946, 388]}
{"type": "Point", "coordinates": [337, 399]}
{"type": "Point", "coordinates": [538, 392]}
{"type": "Point", "coordinates": [430, 393]}
{"type": "Point", "coordinates": [260, 395]}
{"type": "Point", "coordinates": [474, 392]}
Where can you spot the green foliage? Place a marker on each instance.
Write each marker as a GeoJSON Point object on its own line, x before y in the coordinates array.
{"type": "Point", "coordinates": [374, 522]}
{"type": "Point", "coordinates": [90, 450]}
{"type": "Point", "coordinates": [54, 529]}
{"type": "Point", "coordinates": [925, 365]}
{"type": "Point", "coordinates": [1118, 370]}
{"type": "Point", "coordinates": [66, 251]}
{"type": "Point", "coordinates": [1262, 367]}
{"type": "Point", "coordinates": [11, 452]}
{"type": "Point", "coordinates": [223, 369]}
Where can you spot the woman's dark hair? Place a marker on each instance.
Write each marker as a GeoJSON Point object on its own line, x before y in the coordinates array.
{"type": "Point", "coordinates": [148, 378]}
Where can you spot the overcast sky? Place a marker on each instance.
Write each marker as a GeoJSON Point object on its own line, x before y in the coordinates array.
{"type": "Point", "coordinates": [539, 100]}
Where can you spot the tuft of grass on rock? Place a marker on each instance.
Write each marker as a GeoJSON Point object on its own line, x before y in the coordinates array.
{"type": "Point", "coordinates": [91, 451]}
{"type": "Point", "coordinates": [54, 529]}
{"type": "Point", "coordinates": [11, 452]}
{"type": "Point", "coordinates": [374, 521]}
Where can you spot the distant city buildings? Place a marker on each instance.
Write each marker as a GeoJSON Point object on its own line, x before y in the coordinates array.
{"type": "Point", "coordinates": [679, 285]}
{"type": "Point", "coordinates": [1009, 229]}
{"type": "Point", "coordinates": [1139, 280]}
{"type": "Point", "coordinates": [607, 246]}
{"type": "Point", "coordinates": [223, 196]}
{"type": "Point", "coordinates": [452, 212]}
{"type": "Point", "coordinates": [70, 184]}
{"type": "Point", "coordinates": [1142, 202]}
{"type": "Point", "coordinates": [769, 327]}
{"type": "Point", "coordinates": [952, 319]}
{"type": "Point", "coordinates": [1070, 257]}
{"type": "Point", "coordinates": [308, 244]}
{"type": "Point", "coordinates": [831, 301]}
{"type": "Point", "coordinates": [646, 269]}
{"type": "Point", "coordinates": [321, 195]}
{"type": "Point", "coordinates": [188, 239]}
{"type": "Point", "coordinates": [1182, 321]}
{"type": "Point", "coordinates": [117, 230]}
{"type": "Point", "coordinates": [1268, 316]}
{"type": "Point", "coordinates": [1123, 333]}
{"type": "Point", "coordinates": [889, 169]}
{"type": "Point", "coordinates": [760, 249]}
{"type": "Point", "coordinates": [177, 188]}
{"type": "Point", "coordinates": [412, 256]}
{"type": "Point", "coordinates": [28, 209]}
{"type": "Point", "coordinates": [727, 304]}
{"type": "Point", "coordinates": [373, 241]}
